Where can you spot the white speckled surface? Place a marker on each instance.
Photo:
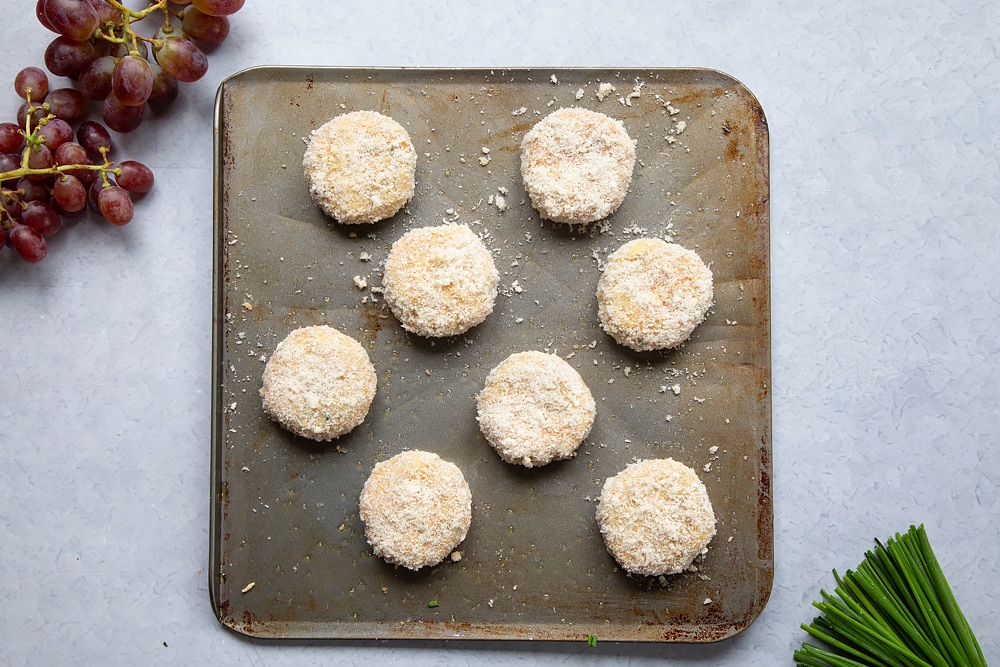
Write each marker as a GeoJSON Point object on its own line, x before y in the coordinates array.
{"type": "Point", "coordinates": [885, 221]}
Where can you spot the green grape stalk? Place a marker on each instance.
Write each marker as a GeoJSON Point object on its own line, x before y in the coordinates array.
{"type": "Point", "coordinates": [56, 162]}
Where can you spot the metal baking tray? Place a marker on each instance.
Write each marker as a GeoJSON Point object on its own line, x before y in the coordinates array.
{"type": "Point", "coordinates": [288, 552]}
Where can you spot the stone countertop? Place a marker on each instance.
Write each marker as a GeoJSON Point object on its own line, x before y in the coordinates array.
{"type": "Point", "coordinates": [884, 243]}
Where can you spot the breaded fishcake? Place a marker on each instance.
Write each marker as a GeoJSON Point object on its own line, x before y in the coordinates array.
{"type": "Point", "coordinates": [653, 294]}
{"type": "Point", "coordinates": [361, 167]}
{"type": "Point", "coordinates": [440, 281]}
{"type": "Point", "coordinates": [577, 165]}
{"type": "Point", "coordinates": [655, 517]}
{"type": "Point", "coordinates": [319, 383]}
{"type": "Point", "coordinates": [535, 408]}
{"type": "Point", "coordinates": [416, 508]}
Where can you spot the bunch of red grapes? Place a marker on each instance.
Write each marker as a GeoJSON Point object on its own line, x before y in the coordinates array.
{"type": "Point", "coordinates": [54, 162]}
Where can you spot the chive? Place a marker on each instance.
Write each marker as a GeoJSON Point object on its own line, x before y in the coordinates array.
{"type": "Point", "coordinates": [591, 641]}
{"type": "Point", "coordinates": [895, 609]}
{"type": "Point", "coordinates": [432, 603]}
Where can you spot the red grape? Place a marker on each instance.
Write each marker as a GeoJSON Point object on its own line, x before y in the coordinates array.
{"type": "Point", "coordinates": [22, 115]}
{"type": "Point", "coordinates": [56, 132]}
{"type": "Point", "coordinates": [33, 78]}
{"type": "Point", "coordinates": [72, 153]}
{"type": "Point", "coordinates": [121, 117]}
{"type": "Point", "coordinates": [203, 27]}
{"type": "Point", "coordinates": [165, 88]}
{"type": "Point", "coordinates": [11, 139]}
{"type": "Point", "coordinates": [135, 177]}
{"type": "Point", "coordinates": [115, 205]}
{"type": "Point", "coordinates": [93, 192]}
{"type": "Point", "coordinates": [3, 237]}
{"type": "Point", "coordinates": [218, 7]}
{"type": "Point", "coordinates": [106, 14]}
{"type": "Point", "coordinates": [66, 103]}
{"type": "Point", "coordinates": [75, 19]}
{"type": "Point", "coordinates": [10, 202]}
{"type": "Point", "coordinates": [132, 81]}
{"type": "Point", "coordinates": [32, 190]}
{"type": "Point", "coordinates": [41, 217]}
{"type": "Point", "coordinates": [95, 80]}
{"type": "Point", "coordinates": [93, 137]}
{"type": "Point", "coordinates": [181, 59]}
{"type": "Point", "coordinates": [9, 162]}
{"type": "Point", "coordinates": [28, 242]}
{"type": "Point", "coordinates": [69, 194]}
{"type": "Point", "coordinates": [40, 15]}
{"type": "Point", "coordinates": [40, 157]}
{"type": "Point", "coordinates": [67, 57]}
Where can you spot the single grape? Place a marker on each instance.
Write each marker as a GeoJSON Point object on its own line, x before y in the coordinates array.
{"type": "Point", "coordinates": [165, 89]}
{"type": "Point", "coordinates": [3, 237]}
{"type": "Point", "coordinates": [40, 157]}
{"type": "Point", "coordinates": [56, 132]}
{"type": "Point", "coordinates": [93, 192]}
{"type": "Point", "coordinates": [95, 80]}
{"type": "Point", "coordinates": [32, 190]}
{"type": "Point", "coordinates": [66, 103]}
{"type": "Point", "coordinates": [41, 217]}
{"type": "Point", "coordinates": [204, 28]}
{"type": "Point", "coordinates": [11, 139]}
{"type": "Point", "coordinates": [9, 162]}
{"type": "Point", "coordinates": [11, 204]}
{"type": "Point", "coordinates": [67, 57]}
{"type": "Point", "coordinates": [74, 19]}
{"type": "Point", "coordinates": [22, 115]}
{"type": "Point", "coordinates": [181, 59]}
{"type": "Point", "coordinates": [132, 81]}
{"type": "Point", "coordinates": [69, 194]}
{"type": "Point", "coordinates": [93, 137]}
{"type": "Point", "coordinates": [28, 242]}
{"type": "Point", "coordinates": [135, 177]}
{"type": "Point", "coordinates": [32, 78]}
{"type": "Point", "coordinates": [71, 153]}
{"type": "Point", "coordinates": [219, 7]}
{"type": "Point", "coordinates": [40, 15]}
{"type": "Point", "coordinates": [106, 14]}
{"type": "Point", "coordinates": [122, 117]}
{"type": "Point", "coordinates": [115, 205]}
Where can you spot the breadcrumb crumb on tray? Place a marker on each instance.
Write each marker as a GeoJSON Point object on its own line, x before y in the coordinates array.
{"type": "Point", "coordinates": [289, 556]}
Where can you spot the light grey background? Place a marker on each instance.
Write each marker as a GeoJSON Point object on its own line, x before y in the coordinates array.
{"type": "Point", "coordinates": [884, 131]}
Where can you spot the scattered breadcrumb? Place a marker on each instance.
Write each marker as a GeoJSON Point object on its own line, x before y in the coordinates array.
{"type": "Point", "coordinates": [604, 90]}
{"type": "Point", "coordinates": [248, 587]}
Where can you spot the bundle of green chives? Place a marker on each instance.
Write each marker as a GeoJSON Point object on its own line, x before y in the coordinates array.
{"type": "Point", "coordinates": [895, 610]}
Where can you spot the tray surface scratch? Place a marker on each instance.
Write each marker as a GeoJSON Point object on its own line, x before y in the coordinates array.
{"type": "Point", "coordinates": [288, 553]}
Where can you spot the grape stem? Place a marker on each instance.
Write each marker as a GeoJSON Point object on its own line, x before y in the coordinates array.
{"type": "Point", "coordinates": [130, 36]}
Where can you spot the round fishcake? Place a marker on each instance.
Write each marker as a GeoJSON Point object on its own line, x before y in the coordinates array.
{"type": "Point", "coordinates": [577, 165]}
{"type": "Point", "coordinates": [535, 408]}
{"type": "Point", "coordinates": [440, 281]}
{"type": "Point", "coordinates": [416, 508]}
{"type": "Point", "coordinates": [360, 167]}
{"type": "Point", "coordinates": [653, 294]}
{"type": "Point", "coordinates": [655, 517]}
{"type": "Point", "coordinates": [318, 383]}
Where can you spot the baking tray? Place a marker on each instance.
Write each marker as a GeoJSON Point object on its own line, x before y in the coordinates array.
{"type": "Point", "coordinates": [288, 553]}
